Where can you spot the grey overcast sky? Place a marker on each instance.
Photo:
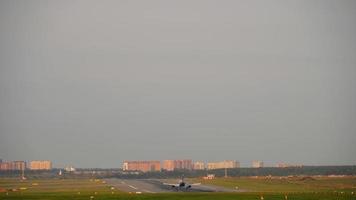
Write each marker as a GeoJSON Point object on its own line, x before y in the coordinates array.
{"type": "Point", "coordinates": [91, 83]}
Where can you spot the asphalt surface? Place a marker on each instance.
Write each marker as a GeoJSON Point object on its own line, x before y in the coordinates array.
{"type": "Point", "coordinates": [157, 186]}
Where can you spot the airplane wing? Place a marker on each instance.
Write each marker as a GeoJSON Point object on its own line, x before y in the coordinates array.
{"type": "Point", "coordinates": [196, 184]}
{"type": "Point", "coordinates": [170, 184]}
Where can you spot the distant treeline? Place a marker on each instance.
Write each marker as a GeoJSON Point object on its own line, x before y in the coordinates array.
{"type": "Point", "coordinates": [265, 171]}
{"type": "Point", "coordinates": [118, 173]}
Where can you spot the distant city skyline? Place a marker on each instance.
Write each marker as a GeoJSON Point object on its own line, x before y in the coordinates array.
{"type": "Point", "coordinates": [93, 83]}
{"type": "Point", "coordinates": [169, 165]}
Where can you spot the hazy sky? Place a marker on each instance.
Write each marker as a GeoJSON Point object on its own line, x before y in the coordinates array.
{"type": "Point", "coordinates": [91, 83]}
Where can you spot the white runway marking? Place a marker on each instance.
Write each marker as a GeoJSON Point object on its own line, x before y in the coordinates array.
{"type": "Point", "coordinates": [133, 187]}
{"type": "Point", "coordinates": [148, 191]}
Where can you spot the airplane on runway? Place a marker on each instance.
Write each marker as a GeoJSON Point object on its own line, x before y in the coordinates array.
{"type": "Point", "coordinates": [181, 185]}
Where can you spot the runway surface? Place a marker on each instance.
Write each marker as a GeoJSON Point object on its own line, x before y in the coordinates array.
{"type": "Point", "coordinates": [157, 186]}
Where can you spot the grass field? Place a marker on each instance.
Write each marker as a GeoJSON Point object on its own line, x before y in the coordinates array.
{"type": "Point", "coordinates": [91, 189]}
{"type": "Point", "coordinates": [283, 184]}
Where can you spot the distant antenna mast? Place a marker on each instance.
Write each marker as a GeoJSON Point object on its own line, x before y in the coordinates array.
{"type": "Point", "coordinates": [23, 173]}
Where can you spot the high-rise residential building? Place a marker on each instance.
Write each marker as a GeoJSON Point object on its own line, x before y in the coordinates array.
{"type": "Point", "coordinates": [199, 165]}
{"type": "Point", "coordinates": [183, 164]}
{"type": "Point", "coordinates": [40, 165]}
{"type": "Point", "coordinates": [168, 165]}
{"type": "Point", "coordinates": [171, 165]}
{"type": "Point", "coordinates": [223, 164]}
{"type": "Point", "coordinates": [144, 166]}
{"type": "Point", "coordinates": [257, 164]}
{"type": "Point", "coordinates": [13, 165]}
{"type": "Point", "coordinates": [19, 165]}
{"type": "Point", "coordinates": [5, 166]}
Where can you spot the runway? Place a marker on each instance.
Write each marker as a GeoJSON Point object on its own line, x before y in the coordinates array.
{"type": "Point", "coordinates": [157, 186]}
